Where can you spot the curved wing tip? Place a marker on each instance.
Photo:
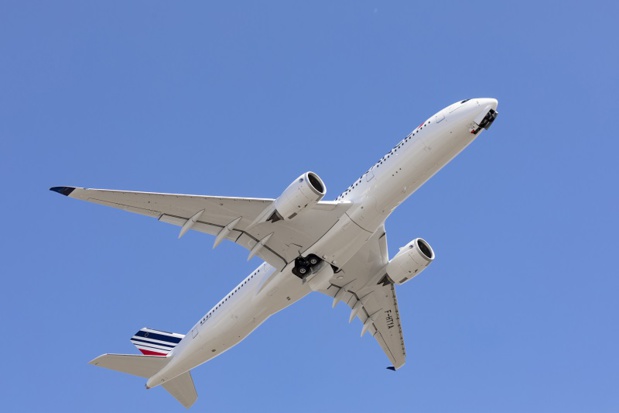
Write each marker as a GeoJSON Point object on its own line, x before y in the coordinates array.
{"type": "Point", "coordinates": [63, 190]}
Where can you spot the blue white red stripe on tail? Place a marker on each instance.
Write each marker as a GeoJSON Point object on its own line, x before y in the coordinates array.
{"type": "Point", "coordinates": [154, 342]}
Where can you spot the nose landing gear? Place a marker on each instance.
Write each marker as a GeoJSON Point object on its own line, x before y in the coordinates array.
{"type": "Point", "coordinates": [486, 121]}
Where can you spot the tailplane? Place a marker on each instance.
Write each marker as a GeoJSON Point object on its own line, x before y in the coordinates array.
{"type": "Point", "coordinates": [181, 387]}
{"type": "Point", "coordinates": [137, 365]}
{"type": "Point", "coordinates": [155, 346]}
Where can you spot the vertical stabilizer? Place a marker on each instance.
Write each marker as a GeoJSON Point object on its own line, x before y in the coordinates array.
{"type": "Point", "coordinates": [155, 342]}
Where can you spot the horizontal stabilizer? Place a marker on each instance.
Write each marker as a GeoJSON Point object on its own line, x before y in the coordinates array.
{"type": "Point", "coordinates": [154, 342]}
{"type": "Point", "coordinates": [183, 389]}
{"type": "Point", "coordinates": [137, 365]}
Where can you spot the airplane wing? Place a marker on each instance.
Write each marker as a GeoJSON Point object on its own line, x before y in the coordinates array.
{"type": "Point", "coordinates": [362, 284]}
{"type": "Point", "coordinates": [237, 219]}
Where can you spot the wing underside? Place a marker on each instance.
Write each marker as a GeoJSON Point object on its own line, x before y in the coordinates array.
{"type": "Point", "coordinates": [362, 285]}
{"type": "Point", "coordinates": [235, 219]}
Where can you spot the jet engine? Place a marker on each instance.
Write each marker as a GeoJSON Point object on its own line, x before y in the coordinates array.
{"type": "Point", "coordinates": [412, 259]}
{"type": "Point", "coordinates": [303, 192]}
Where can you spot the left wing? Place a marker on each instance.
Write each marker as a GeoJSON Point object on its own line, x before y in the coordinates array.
{"type": "Point", "coordinates": [241, 220]}
{"type": "Point", "coordinates": [362, 284]}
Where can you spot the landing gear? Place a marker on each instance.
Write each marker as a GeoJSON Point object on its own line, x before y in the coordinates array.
{"type": "Point", "coordinates": [313, 260]}
{"type": "Point", "coordinates": [303, 266]}
{"type": "Point", "coordinates": [486, 122]}
{"type": "Point", "coordinates": [303, 270]}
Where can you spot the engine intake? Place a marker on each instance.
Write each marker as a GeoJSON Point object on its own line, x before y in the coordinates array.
{"type": "Point", "coordinates": [412, 259]}
{"type": "Point", "coordinates": [307, 190]}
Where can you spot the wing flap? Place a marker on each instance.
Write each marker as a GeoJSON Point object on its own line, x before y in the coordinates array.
{"type": "Point", "coordinates": [203, 227]}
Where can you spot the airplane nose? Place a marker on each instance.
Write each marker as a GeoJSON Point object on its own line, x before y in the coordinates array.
{"type": "Point", "coordinates": [486, 116]}
{"type": "Point", "coordinates": [485, 102]}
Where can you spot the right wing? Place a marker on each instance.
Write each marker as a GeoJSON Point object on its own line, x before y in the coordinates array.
{"type": "Point", "coordinates": [240, 220]}
{"type": "Point", "coordinates": [363, 285]}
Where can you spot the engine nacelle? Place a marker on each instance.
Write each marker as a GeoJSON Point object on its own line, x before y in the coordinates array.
{"type": "Point", "coordinates": [303, 192]}
{"type": "Point", "coordinates": [412, 259]}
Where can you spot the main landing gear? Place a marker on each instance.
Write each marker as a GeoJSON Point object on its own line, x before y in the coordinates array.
{"type": "Point", "coordinates": [303, 266]}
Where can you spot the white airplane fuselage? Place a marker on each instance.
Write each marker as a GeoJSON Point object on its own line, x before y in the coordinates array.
{"type": "Point", "coordinates": [373, 197]}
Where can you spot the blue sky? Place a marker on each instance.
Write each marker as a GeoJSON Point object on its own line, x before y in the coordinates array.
{"type": "Point", "coordinates": [519, 311]}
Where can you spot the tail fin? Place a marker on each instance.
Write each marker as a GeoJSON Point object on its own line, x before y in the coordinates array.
{"type": "Point", "coordinates": [154, 342]}
{"type": "Point", "coordinates": [181, 387]}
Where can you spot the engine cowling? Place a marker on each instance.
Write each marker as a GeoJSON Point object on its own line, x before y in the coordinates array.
{"type": "Point", "coordinates": [412, 259]}
{"type": "Point", "coordinates": [303, 192]}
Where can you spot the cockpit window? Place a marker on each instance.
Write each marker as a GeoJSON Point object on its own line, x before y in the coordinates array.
{"type": "Point", "coordinates": [465, 100]}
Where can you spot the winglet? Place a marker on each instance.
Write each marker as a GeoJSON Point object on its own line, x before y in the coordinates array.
{"type": "Point", "coordinates": [391, 368]}
{"type": "Point", "coordinates": [63, 190]}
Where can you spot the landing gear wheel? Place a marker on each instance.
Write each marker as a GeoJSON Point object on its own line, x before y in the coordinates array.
{"type": "Point", "coordinates": [313, 259]}
{"type": "Point", "coordinates": [301, 267]}
{"type": "Point", "coordinates": [304, 266]}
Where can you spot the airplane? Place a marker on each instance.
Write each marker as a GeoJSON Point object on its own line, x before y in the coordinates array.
{"type": "Point", "coordinates": [338, 248]}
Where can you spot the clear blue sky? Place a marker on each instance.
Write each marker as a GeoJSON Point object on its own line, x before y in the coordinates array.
{"type": "Point", "coordinates": [518, 313]}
